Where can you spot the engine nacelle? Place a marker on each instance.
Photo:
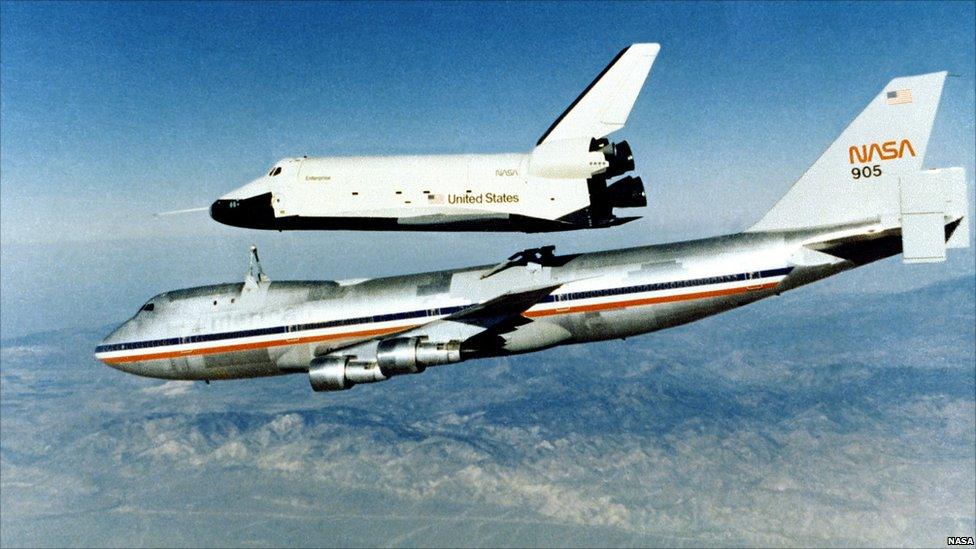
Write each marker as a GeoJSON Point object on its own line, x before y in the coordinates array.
{"type": "Point", "coordinates": [397, 356]}
{"type": "Point", "coordinates": [328, 373]}
{"type": "Point", "coordinates": [627, 192]}
{"type": "Point", "coordinates": [411, 355]}
{"type": "Point", "coordinates": [338, 373]}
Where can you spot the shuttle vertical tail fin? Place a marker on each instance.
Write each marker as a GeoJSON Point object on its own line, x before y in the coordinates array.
{"type": "Point", "coordinates": [605, 104]}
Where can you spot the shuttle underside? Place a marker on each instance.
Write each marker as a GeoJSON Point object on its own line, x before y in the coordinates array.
{"type": "Point", "coordinates": [257, 213]}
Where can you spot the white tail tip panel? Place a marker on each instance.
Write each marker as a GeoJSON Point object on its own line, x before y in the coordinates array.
{"type": "Point", "coordinates": [857, 177]}
{"type": "Point", "coordinates": [605, 104]}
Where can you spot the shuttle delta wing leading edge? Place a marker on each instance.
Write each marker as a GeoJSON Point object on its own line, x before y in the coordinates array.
{"type": "Point", "coordinates": [864, 199]}
{"type": "Point", "coordinates": [566, 182]}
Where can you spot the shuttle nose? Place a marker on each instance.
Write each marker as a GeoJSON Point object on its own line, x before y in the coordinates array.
{"type": "Point", "coordinates": [223, 210]}
{"type": "Point", "coordinates": [252, 213]}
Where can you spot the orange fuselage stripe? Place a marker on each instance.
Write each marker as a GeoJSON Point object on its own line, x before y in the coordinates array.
{"type": "Point", "coordinates": [647, 301]}
{"type": "Point", "coordinates": [255, 345]}
{"type": "Point", "coordinates": [384, 331]}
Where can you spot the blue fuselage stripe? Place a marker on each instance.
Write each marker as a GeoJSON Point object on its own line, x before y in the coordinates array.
{"type": "Point", "coordinates": [439, 311]}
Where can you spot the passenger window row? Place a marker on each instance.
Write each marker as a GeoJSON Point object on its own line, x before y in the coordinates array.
{"type": "Point", "coordinates": [435, 311]}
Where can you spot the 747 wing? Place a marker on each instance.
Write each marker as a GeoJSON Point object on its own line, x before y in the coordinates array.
{"type": "Point", "coordinates": [496, 315]}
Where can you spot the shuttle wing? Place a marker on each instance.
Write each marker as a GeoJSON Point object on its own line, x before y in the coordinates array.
{"type": "Point", "coordinates": [605, 104]}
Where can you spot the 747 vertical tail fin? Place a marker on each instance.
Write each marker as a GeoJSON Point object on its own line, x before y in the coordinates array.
{"type": "Point", "coordinates": [873, 173]}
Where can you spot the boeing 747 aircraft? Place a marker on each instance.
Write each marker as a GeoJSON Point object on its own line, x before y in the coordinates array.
{"type": "Point", "coordinates": [563, 184]}
{"type": "Point", "coordinates": [864, 199]}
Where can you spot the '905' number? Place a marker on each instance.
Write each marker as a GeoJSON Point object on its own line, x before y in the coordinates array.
{"type": "Point", "coordinates": [866, 171]}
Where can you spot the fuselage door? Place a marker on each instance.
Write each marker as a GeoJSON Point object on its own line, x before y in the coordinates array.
{"type": "Point", "coordinates": [285, 187]}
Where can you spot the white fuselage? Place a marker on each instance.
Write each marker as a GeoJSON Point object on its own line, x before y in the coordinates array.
{"type": "Point", "coordinates": [269, 328]}
{"type": "Point", "coordinates": [561, 185]}
{"type": "Point", "coordinates": [420, 186]}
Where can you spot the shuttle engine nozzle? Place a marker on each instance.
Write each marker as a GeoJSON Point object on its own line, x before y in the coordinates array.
{"type": "Point", "coordinates": [627, 193]}
{"type": "Point", "coordinates": [619, 157]}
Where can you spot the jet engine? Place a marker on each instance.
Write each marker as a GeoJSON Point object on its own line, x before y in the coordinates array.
{"type": "Point", "coordinates": [412, 355]}
{"type": "Point", "coordinates": [337, 373]}
{"type": "Point", "coordinates": [397, 356]}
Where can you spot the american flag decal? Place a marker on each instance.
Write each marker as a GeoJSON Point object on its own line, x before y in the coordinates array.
{"type": "Point", "coordinates": [899, 97]}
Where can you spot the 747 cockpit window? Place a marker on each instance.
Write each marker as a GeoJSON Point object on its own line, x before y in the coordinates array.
{"type": "Point", "coordinates": [274, 171]}
{"type": "Point", "coordinates": [148, 306]}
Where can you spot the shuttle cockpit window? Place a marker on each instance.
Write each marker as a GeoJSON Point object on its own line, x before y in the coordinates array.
{"type": "Point", "coordinates": [148, 307]}
{"type": "Point", "coordinates": [274, 171]}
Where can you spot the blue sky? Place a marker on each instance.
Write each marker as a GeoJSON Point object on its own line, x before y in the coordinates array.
{"type": "Point", "coordinates": [111, 112]}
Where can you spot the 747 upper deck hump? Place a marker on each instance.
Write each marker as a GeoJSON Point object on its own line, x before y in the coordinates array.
{"type": "Point", "coordinates": [574, 178]}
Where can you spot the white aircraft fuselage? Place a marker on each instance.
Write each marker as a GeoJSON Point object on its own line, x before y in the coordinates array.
{"type": "Point", "coordinates": [564, 183]}
{"type": "Point", "coordinates": [496, 192]}
{"type": "Point", "coordinates": [336, 330]}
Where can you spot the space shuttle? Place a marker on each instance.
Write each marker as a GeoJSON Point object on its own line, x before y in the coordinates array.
{"type": "Point", "coordinates": [574, 178]}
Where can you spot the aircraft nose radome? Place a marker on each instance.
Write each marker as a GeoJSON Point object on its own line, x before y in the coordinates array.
{"type": "Point", "coordinates": [254, 212]}
{"type": "Point", "coordinates": [104, 347]}
{"type": "Point", "coordinates": [220, 210]}
{"type": "Point", "coordinates": [225, 211]}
